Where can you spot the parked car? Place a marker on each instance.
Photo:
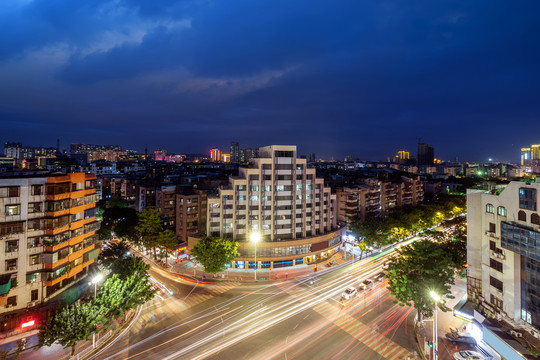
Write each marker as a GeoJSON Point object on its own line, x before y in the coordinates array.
{"type": "Point", "coordinates": [468, 355]}
{"type": "Point", "coordinates": [379, 277]}
{"type": "Point", "coordinates": [461, 337]}
{"type": "Point", "coordinates": [366, 284]}
{"type": "Point", "coordinates": [349, 293]}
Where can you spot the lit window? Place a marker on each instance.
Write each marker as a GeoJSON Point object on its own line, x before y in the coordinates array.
{"type": "Point", "coordinates": [501, 210]}
{"type": "Point", "coordinates": [309, 187]}
{"type": "Point", "coordinates": [280, 188]}
{"type": "Point", "coordinates": [490, 209]}
{"type": "Point", "coordinates": [13, 210]}
{"type": "Point", "coordinates": [298, 187]}
{"type": "Point", "coordinates": [254, 198]}
{"type": "Point", "coordinates": [254, 187]}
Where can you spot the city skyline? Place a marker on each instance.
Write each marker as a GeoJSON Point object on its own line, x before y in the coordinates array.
{"type": "Point", "coordinates": [357, 79]}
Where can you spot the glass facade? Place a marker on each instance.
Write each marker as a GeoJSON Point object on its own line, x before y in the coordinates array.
{"type": "Point", "coordinates": [524, 241]}
{"type": "Point", "coordinates": [527, 199]}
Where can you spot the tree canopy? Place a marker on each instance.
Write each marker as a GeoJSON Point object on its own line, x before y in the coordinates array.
{"type": "Point", "coordinates": [213, 253]}
{"type": "Point", "coordinates": [416, 270]}
{"type": "Point", "coordinates": [149, 227]}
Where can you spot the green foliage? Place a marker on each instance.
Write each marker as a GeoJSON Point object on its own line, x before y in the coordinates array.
{"type": "Point", "coordinates": [118, 295]}
{"type": "Point", "coordinates": [381, 231]}
{"type": "Point", "coordinates": [104, 232]}
{"type": "Point", "coordinates": [71, 324]}
{"type": "Point", "coordinates": [166, 240]}
{"type": "Point", "coordinates": [416, 270]}
{"type": "Point", "coordinates": [118, 258]}
{"type": "Point", "coordinates": [149, 227]}
{"type": "Point", "coordinates": [214, 253]}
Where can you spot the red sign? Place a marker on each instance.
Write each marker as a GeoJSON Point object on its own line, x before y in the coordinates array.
{"type": "Point", "coordinates": [28, 323]}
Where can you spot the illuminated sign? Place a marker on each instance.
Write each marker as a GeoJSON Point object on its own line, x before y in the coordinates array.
{"type": "Point", "coordinates": [28, 323]}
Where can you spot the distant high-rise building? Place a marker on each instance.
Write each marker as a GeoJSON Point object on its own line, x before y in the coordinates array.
{"type": "Point", "coordinates": [215, 154]}
{"type": "Point", "coordinates": [425, 154]}
{"type": "Point", "coordinates": [159, 155]}
{"type": "Point", "coordinates": [235, 152]}
{"type": "Point", "coordinates": [311, 157]}
{"type": "Point", "coordinates": [247, 154]}
{"type": "Point", "coordinates": [403, 155]}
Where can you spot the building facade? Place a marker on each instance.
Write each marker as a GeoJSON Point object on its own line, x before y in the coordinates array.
{"type": "Point", "coordinates": [280, 198]}
{"type": "Point", "coordinates": [47, 230]}
{"type": "Point", "coordinates": [503, 252]}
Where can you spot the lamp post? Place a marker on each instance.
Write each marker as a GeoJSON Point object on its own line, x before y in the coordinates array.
{"type": "Point", "coordinates": [95, 281]}
{"type": "Point", "coordinates": [255, 237]}
{"type": "Point", "coordinates": [437, 298]}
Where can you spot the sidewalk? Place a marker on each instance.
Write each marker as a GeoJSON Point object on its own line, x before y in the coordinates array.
{"type": "Point", "coordinates": [445, 321]}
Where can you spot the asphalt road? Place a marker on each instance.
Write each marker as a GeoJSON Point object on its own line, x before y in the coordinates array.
{"type": "Point", "coordinates": [289, 320]}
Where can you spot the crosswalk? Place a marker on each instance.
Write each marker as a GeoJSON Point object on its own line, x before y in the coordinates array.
{"type": "Point", "coordinates": [209, 292]}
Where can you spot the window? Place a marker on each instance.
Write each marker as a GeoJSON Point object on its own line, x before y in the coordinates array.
{"type": "Point", "coordinates": [37, 190]}
{"type": "Point", "coordinates": [535, 219]}
{"type": "Point", "coordinates": [11, 301]}
{"type": "Point", "coordinates": [254, 198]}
{"type": "Point", "coordinates": [491, 227]}
{"type": "Point", "coordinates": [522, 216]}
{"type": "Point", "coordinates": [35, 207]}
{"type": "Point", "coordinates": [13, 210]}
{"type": "Point", "coordinates": [501, 211]}
{"type": "Point", "coordinates": [498, 303]}
{"type": "Point", "coordinates": [34, 259]}
{"type": "Point", "coordinates": [9, 191]}
{"type": "Point", "coordinates": [253, 177]}
{"type": "Point", "coordinates": [490, 209]}
{"type": "Point", "coordinates": [309, 187]}
{"type": "Point", "coordinates": [280, 187]}
{"type": "Point", "coordinates": [254, 187]}
{"type": "Point", "coordinates": [34, 295]}
{"type": "Point", "coordinates": [267, 188]}
{"type": "Point", "coordinates": [492, 245]}
{"type": "Point", "coordinates": [11, 265]}
{"type": "Point", "coordinates": [289, 154]}
{"type": "Point", "coordinates": [241, 197]}
{"type": "Point", "coordinates": [527, 199]}
{"type": "Point", "coordinates": [497, 284]}
{"type": "Point", "coordinates": [299, 187]}
{"type": "Point", "coordinates": [240, 188]}
{"type": "Point", "coordinates": [494, 264]}
{"type": "Point", "coordinates": [284, 177]}
{"type": "Point", "coordinates": [12, 246]}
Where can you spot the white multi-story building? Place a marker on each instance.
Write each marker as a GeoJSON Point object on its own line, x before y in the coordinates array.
{"type": "Point", "coordinates": [283, 200]}
{"type": "Point", "coordinates": [503, 252]}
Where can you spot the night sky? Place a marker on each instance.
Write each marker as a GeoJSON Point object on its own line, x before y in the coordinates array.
{"type": "Point", "coordinates": [334, 77]}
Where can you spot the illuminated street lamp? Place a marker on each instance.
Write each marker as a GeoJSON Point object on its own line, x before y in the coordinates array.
{"type": "Point", "coordinates": [437, 298]}
{"type": "Point", "coordinates": [255, 237]}
{"type": "Point", "coordinates": [95, 281]}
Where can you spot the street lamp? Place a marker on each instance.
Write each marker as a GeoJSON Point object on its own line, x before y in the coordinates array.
{"type": "Point", "coordinates": [437, 298]}
{"type": "Point", "coordinates": [255, 237]}
{"type": "Point", "coordinates": [95, 281]}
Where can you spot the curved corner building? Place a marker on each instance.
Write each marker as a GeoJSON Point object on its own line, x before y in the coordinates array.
{"type": "Point", "coordinates": [279, 197]}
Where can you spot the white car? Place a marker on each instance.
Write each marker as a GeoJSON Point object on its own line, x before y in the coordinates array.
{"type": "Point", "coordinates": [349, 293]}
{"type": "Point", "coordinates": [468, 355]}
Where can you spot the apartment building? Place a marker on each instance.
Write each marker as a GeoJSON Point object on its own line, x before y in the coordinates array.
{"type": "Point", "coordinates": [283, 200]}
{"type": "Point", "coordinates": [503, 252]}
{"type": "Point", "coordinates": [47, 227]}
{"type": "Point", "coordinates": [376, 197]}
{"type": "Point", "coordinates": [191, 212]}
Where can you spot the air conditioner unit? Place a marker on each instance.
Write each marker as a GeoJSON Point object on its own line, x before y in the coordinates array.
{"type": "Point", "coordinates": [516, 333]}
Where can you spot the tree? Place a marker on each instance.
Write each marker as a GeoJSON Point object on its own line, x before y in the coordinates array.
{"type": "Point", "coordinates": [167, 240]}
{"type": "Point", "coordinates": [416, 270]}
{"type": "Point", "coordinates": [149, 227]}
{"type": "Point", "coordinates": [117, 295]}
{"type": "Point", "coordinates": [71, 324]}
{"type": "Point", "coordinates": [119, 260]}
{"type": "Point", "coordinates": [214, 253]}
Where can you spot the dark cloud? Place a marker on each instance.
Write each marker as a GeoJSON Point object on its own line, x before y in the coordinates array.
{"type": "Point", "coordinates": [353, 77]}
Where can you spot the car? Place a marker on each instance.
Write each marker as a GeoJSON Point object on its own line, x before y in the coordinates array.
{"type": "Point", "coordinates": [379, 277]}
{"type": "Point", "coordinates": [349, 293]}
{"type": "Point", "coordinates": [366, 284]}
{"type": "Point", "coordinates": [468, 355]}
{"type": "Point", "coordinates": [461, 337]}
